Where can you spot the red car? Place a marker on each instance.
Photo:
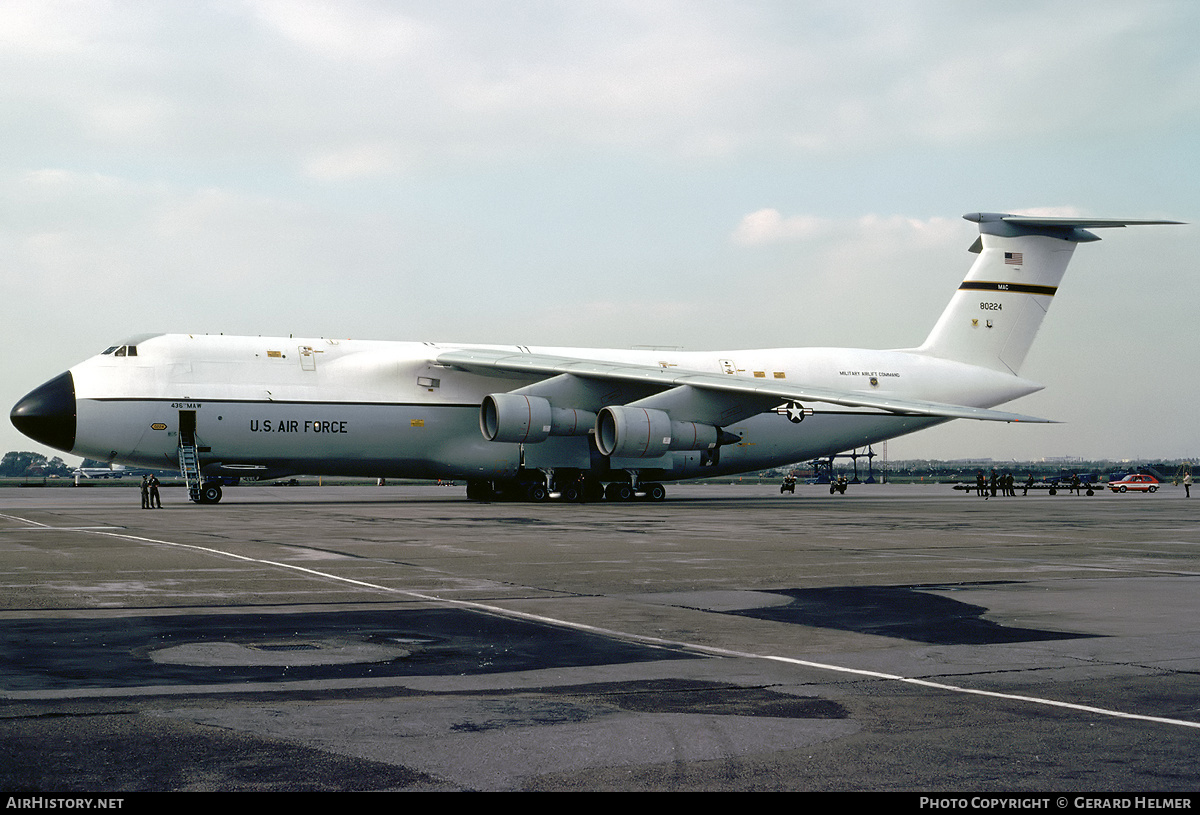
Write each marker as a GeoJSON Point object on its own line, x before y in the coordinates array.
{"type": "Point", "coordinates": [1136, 483]}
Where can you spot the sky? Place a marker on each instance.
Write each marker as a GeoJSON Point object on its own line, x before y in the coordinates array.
{"type": "Point", "coordinates": [707, 175]}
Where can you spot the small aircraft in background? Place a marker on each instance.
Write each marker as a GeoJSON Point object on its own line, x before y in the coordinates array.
{"type": "Point", "coordinates": [114, 471]}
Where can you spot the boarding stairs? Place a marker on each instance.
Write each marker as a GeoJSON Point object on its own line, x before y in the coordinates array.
{"type": "Point", "coordinates": [189, 468]}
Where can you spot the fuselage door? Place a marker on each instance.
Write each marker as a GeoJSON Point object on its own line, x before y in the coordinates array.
{"type": "Point", "coordinates": [187, 427]}
{"type": "Point", "coordinates": [308, 359]}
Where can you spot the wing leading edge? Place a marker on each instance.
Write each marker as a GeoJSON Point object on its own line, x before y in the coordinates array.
{"type": "Point", "coordinates": [761, 396]}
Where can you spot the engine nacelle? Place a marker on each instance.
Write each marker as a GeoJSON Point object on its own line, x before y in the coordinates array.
{"type": "Point", "coordinates": [693, 436]}
{"type": "Point", "coordinates": [571, 421]}
{"type": "Point", "coordinates": [514, 417]}
{"type": "Point", "coordinates": [634, 432]}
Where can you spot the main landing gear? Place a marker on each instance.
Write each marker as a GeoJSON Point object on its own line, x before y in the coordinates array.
{"type": "Point", "coordinates": [578, 490]}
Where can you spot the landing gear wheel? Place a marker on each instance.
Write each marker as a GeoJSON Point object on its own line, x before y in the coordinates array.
{"type": "Point", "coordinates": [536, 493]}
{"type": "Point", "coordinates": [656, 492]}
{"type": "Point", "coordinates": [618, 491]}
{"type": "Point", "coordinates": [210, 494]}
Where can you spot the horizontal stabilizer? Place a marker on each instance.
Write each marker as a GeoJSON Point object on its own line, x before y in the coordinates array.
{"type": "Point", "coordinates": [1068, 229]}
{"type": "Point", "coordinates": [1084, 223]}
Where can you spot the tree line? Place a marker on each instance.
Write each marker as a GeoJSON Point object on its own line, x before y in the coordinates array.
{"type": "Point", "coordinates": [32, 465]}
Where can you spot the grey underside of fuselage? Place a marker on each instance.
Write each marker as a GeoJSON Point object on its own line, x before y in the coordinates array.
{"type": "Point", "coordinates": [435, 440]}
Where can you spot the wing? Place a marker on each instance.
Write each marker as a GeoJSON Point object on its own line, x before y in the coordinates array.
{"type": "Point", "coordinates": [713, 398]}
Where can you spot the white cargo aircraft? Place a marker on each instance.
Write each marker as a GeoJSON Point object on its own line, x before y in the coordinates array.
{"type": "Point", "coordinates": [525, 422]}
{"type": "Point", "coordinates": [112, 471]}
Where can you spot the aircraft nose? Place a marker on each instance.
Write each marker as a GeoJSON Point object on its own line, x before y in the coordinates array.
{"type": "Point", "coordinates": [47, 413]}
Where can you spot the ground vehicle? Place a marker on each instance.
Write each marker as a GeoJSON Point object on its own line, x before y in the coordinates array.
{"type": "Point", "coordinates": [1135, 482]}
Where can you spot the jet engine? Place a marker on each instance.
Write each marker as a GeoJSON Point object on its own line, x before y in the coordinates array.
{"type": "Point", "coordinates": [516, 417]}
{"type": "Point", "coordinates": [634, 432]}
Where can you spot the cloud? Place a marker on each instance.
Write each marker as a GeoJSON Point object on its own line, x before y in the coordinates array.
{"type": "Point", "coordinates": [340, 31]}
{"type": "Point", "coordinates": [945, 74]}
{"type": "Point", "coordinates": [360, 89]}
{"type": "Point", "coordinates": [49, 28]}
{"type": "Point", "coordinates": [352, 162]}
{"type": "Point", "coordinates": [769, 226]}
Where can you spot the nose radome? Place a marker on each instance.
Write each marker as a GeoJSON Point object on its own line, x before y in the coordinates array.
{"type": "Point", "coordinates": [47, 413]}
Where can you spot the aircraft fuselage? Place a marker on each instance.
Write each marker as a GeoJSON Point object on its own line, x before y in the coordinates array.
{"type": "Point", "coordinates": [389, 409]}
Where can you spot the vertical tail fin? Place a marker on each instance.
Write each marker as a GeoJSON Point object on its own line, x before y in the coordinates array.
{"type": "Point", "coordinates": [995, 314]}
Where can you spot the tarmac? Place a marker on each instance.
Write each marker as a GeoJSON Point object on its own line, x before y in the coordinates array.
{"type": "Point", "coordinates": [897, 638]}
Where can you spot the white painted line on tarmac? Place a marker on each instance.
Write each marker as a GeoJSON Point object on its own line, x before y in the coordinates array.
{"type": "Point", "coordinates": [25, 521]}
{"type": "Point", "coordinates": [60, 529]}
{"type": "Point", "coordinates": [629, 637]}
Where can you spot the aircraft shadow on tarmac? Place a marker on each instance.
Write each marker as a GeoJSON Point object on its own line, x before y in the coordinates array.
{"type": "Point", "coordinates": [249, 647]}
{"type": "Point", "coordinates": [263, 647]}
{"type": "Point", "coordinates": [903, 612]}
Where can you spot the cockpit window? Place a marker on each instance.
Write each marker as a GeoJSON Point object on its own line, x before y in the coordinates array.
{"type": "Point", "coordinates": [109, 350]}
{"type": "Point", "coordinates": [122, 351]}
